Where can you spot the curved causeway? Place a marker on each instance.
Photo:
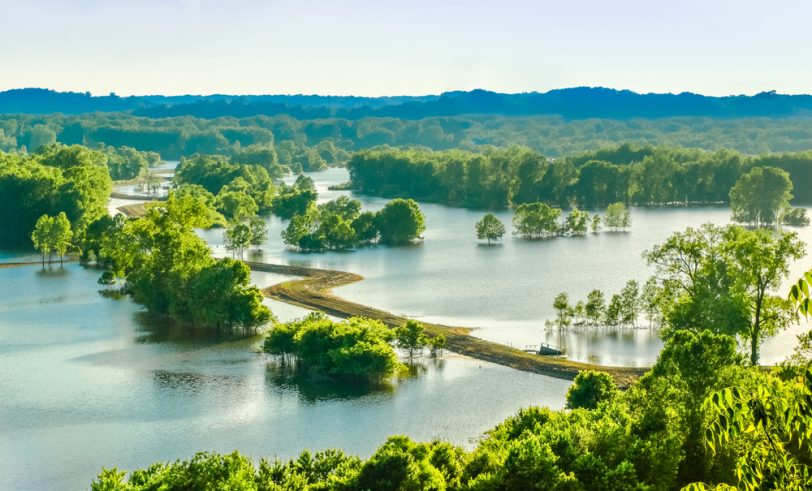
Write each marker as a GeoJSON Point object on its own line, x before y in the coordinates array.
{"type": "Point", "coordinates": [313, 291]}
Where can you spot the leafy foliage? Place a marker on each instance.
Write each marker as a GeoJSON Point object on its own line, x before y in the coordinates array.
{"type": "Point", "coordinates": [170, 270]}
{"type": "Point", "coordinates": [761, 196]}
{"type": "Point", "coordinates": [489, 228]}
{"type": "Point", "coordinates": [73, 180]}
{"type": "Point", "coordinates": [356, 350]}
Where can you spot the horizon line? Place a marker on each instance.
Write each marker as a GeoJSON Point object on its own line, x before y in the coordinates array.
{"type": "Point", "coordinates": [395, 96]}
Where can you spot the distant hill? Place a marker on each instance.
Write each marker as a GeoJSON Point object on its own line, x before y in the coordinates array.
{"type": "Point", "coordinates": [575, 103]}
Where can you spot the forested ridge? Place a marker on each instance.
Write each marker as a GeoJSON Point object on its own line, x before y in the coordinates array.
{"type": "Point", "coordinates": [575, 102]}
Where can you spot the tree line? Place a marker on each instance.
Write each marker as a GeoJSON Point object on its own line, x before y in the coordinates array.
{"type": "Point", "coordinates": [312, 142]}
{"type": "Point", "coordinates": [502, 177]}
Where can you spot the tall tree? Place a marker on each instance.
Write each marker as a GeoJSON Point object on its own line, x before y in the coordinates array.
{"type": "Point", "coordinates": [761, 196]}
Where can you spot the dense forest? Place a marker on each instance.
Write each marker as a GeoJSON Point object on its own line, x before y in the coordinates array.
{"type": "Point", "coordinates": [497, 178]}
{"type": "Point", "coordinates": [313, 143]}
{"type": "Point", "coordinates": [74, 180]}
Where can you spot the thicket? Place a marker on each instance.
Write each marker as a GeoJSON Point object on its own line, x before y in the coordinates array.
{"type": "Point", "coordinates": [74, 180]}
{"type": "Point", "coordinates": [503, 177]}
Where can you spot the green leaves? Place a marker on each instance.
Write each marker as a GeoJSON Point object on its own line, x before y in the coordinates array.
{"type": "Point", "coordinates": [799, 294]}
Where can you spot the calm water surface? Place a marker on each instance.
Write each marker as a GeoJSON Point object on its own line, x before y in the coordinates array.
{"type": "Point", "coordinates": [506, 291]}
{"type": "Point", "coordinates": [86, 383]}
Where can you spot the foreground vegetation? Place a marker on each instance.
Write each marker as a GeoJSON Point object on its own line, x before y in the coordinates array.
{"type": "Point", "coordinates": [698, 416]}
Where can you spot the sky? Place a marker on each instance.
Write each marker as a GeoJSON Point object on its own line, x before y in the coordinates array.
{"type": "Point", "coordinates": [405, 47]}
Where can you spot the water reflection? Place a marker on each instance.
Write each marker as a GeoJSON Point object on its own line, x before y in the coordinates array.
{"type": "Point", "coordinates": [195, 381]}
{"type": "Point", "coordinates": [287, 379]}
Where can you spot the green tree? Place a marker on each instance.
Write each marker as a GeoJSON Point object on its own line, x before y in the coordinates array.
{"type": "Point", "coordinates": [42, 237]}
{"type": "Point", "coordinates": [617, 216]}
{"type": "Point", "coordinates": [721, 278]}
{"type": "Point", "coordinates": [356, 350]}
{"type": "Point", "coordinates": [590, 388]}
{"type": "Point", "coordinates": [596, 224]}
{"type": "Point", "coordinates": [614, 311]}
{"type": "Point", "coordinates": [650, 299]}
{"type": "Point", "coordinates": [576, 222]}
{"type": "Point", "coordinates": [777, 423]}
{"type": "Point", "coordinates": [795, 217]}
{"type": "Point", "coordinates": [535, 220]}
{"type": "Point", "coordinates": [400, 222]}
{"type": "Point", "coordinates": [630, 303]}
{"type": "Point", "coordinates": [259, 232]}
{"type": "Point", "coordinates": [437, 344]}
{"type": "Point", "coordinates": [761, 196]}
{"type": "Point", "coordinates": [52, 235]}
{"type": "Point", "coordinates": [759, 262]}
{"type": "Point", "coordinates": [490, 228]}
{"type": "Point", "coordinates": [236, 205]}
{"type": "Point", "coordinates": [220, 298]}
{"type": "Point", "coordinates": [411, 338]}
{"type": "Point", "coordinates": [563, 311]}
{"type": "Point", "coordinates": [61, 235]}
{"type": "Point", "coordinates": [595, 307]}
{"type": "Point", "coordinates": [237, 238]}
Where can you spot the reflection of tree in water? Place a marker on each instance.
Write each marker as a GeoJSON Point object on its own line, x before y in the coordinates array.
{"type": "Point", "coordinates": [52, 272]}
{"type": "Point", "coordinates": [155, 328]}
{"type": "Point", "coordinates": [289, 378]}
{"type": "Point", "coordinates": [195, 381]}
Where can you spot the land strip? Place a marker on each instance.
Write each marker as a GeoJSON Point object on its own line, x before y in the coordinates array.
{"type": "Point", "coordinates": [313, 291]}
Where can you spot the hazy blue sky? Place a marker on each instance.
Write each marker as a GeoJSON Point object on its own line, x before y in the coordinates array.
{"type": "Point", "coordinates": [379, 47]}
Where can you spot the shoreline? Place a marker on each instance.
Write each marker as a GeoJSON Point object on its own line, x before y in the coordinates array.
{"type": "Point", "coordinates": [313, 291]}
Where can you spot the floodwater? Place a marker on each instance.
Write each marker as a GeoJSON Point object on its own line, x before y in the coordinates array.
{"type": "Point", "coordinates": [506, 291]}
{"type": "Point", "coordinates": [86, 383]}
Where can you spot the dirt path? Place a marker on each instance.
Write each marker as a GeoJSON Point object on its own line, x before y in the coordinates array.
{"type": "Point", "coordinates": [313, 292]}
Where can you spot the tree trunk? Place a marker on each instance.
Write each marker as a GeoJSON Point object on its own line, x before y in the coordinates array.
{"type": "Point", "coordinates": [755, 332]}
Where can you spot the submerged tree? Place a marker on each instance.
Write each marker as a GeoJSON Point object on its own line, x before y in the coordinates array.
{"type": "Point", "coordinates": [490, 228]}
{"type": "Point", "coordinates": [617, 216]}
{"type": "Point", "coordinates": [52, 235]}
{"type": "Point", "coordinates": [761, 196]}
{"type": "Point", "coordinates": [411, 338]}
{"type": "Point", "coordinates": [535, 220]}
